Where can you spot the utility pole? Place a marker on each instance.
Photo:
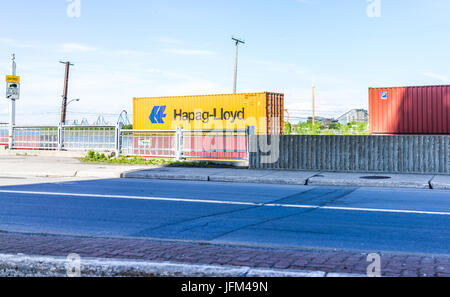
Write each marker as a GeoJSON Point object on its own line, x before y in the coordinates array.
{"type": "Point", "coordinates": [313, 105]}
{"type": "Point", "coordinates": [238, 41]}
{"type": "Point", "coordinates": [287, 112]}
{"type": "Point", "coordinates": [66, 90]}
{"type": "Point", "coordinates": [12, 105]}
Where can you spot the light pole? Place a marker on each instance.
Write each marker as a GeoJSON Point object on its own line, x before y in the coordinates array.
{"type": "Point", "coordinates": [287, 112]}
{"type": "Point", "coordinates": [73, 100]}
{"type": "Point", "coordinates": [66, 89]}
{"type": "Point", "coordinates": [238, 41]}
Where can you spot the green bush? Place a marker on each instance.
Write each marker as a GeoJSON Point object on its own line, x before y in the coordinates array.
{"type": "Point", "coordinates": [354, 128]}
{"type": "Point", "coordinates": [93, 157]}
{"type": "Point", "coordinates": [97, 157]}
{"type": "Point", "coordinates": [308, 128]}
{"type": "Point", "coordinates": [287, 129]}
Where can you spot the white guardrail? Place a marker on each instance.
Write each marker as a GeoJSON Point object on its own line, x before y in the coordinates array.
{"type": "Point", "coordinates": [178, 144]}
{"type": "Point", "coordinates": [4, 129]}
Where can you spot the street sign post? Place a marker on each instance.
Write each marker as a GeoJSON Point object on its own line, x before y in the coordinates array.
{"type": "Point", "coordinates": [12, 94]}
{"type": "Point", "coordinates": [12, 79]}
{"type": "Point", "coordinates": [12, 90]}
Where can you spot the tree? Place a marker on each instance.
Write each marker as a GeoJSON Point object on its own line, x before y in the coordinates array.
{"type": "Point", "coordinates": [345, 129]}
{"type": "Point", "coordinates": [353, 128]}
{"type": "Point", "coordinates": [287, 129]}
{"type": "Point", "coordinates": [361, 128]}
{"type": "Point", "coordinates": [334, 126]}
{"type": "Point", "coordinates": [308, 128]}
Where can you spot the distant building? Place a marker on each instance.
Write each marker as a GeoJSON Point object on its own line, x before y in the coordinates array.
{"type": "Point", "coordinates": [354, 115]}
{"type": "Point", "coordinates": [324, 121]}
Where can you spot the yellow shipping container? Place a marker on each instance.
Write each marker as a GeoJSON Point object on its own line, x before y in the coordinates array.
{"type": "Point", "coordinates": [264, 111]}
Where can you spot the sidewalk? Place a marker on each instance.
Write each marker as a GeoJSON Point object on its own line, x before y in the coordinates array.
{"type": "Point", "coordinates": [415, 181]}
{"type": "Point", "coordinates": [68, 167]}
{"type": "Point", "coordinates": [169, 258]}
{"type": "Point", "coordinates": [59, 167]}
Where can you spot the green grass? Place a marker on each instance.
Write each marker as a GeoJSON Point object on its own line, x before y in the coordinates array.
{"type": "Point", "coordinates": [93, 157]}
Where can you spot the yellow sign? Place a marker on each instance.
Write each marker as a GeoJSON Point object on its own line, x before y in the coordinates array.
{"type": "Point", "coordinates": [12, 79]}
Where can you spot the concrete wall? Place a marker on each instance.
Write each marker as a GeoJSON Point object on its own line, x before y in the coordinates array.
{"type": "Point", "coordinates": [378, 154]}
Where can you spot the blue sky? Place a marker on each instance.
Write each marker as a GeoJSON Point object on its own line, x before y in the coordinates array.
{"type": "Point", "coordinates": [123, 49]}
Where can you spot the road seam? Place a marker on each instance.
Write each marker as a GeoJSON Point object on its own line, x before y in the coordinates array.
{"type": "Point", "coordinates": [431, 182]}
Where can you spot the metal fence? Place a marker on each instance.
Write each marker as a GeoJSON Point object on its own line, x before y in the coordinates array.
{"type": "Point", "coordinates": [215, 144]}
{"type": "Point", "coordinates": [144, 143]}
{"type": "Point", "coordinates": [101, 138]}
{"type": "Point", "coordinates": [229, 145]}
{"type": "Point", "coordinates": [36, 138]}
{"type": "Point", "coordinates": [4, 131]}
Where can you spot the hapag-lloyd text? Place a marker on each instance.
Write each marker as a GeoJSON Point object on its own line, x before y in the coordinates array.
{"type": "Point", "coordinates": [205, 117]}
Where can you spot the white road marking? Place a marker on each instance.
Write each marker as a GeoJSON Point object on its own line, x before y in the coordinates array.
{"type": "Point", "coordinates": [228, 202]}
{"type": "Point", "coordinates": [132, 197]}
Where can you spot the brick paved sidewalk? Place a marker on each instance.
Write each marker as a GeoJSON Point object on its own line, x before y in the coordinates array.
{"type": "Point", "coordinates": [191, 253]}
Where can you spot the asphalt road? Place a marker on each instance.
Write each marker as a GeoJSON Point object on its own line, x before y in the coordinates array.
{"type": "Point", "coordinates": [366, 219]}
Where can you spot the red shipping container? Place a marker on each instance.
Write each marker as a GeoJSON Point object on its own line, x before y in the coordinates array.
{"type": "Point", "coordinates": [409, 110]}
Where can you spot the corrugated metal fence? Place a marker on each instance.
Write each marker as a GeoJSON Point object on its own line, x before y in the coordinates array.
{"type": "Point", "coordinates": [378, 154]}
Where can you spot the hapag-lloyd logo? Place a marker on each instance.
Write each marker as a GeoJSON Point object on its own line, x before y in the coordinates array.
{"type": "Point", "coordinates": [158, 114]}
{"type": "Point", "coordinates": [215, 115]}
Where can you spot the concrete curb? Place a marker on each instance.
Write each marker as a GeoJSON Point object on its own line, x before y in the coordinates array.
{"type": "Point", "coordinates": [440, 182]}
{"type": "Point", "coordinates": [361, 183]}
{"type": "Point", "coordinates": [68, 174]}
{"type": "Point", "coordinates": [215, 178]}
{"type": "Point", "coordinates": [45, 266]}
{"type": "Point", "coordinates": [310, 179]}
{"type": "Point", "coordinates": [259, 180]}
{"type": "Point", "coordinates": [35, 153]}
{"type": "Point", "coordinates": [149, 175]}
{"type": "Point", "coordinates": [41, 174]}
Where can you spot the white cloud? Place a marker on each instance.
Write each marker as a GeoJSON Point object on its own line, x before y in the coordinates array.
{"type": "Point", "coordinates": [75, 47]}
{"type": "Point", "coordinates": [170, 40]}
{"type": "Point", "coordinates": [13, 43]}
{"type": "Point", "coordinates": [127, 52]}
{"type": "Point", "coordinates": [439, 77]}
{"type": "Point", "coordinates": [189, 52]}
{"type": "Point", "coordinates": [153, 70]}
{"type": "Point", "coordinates": [104, 90]}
